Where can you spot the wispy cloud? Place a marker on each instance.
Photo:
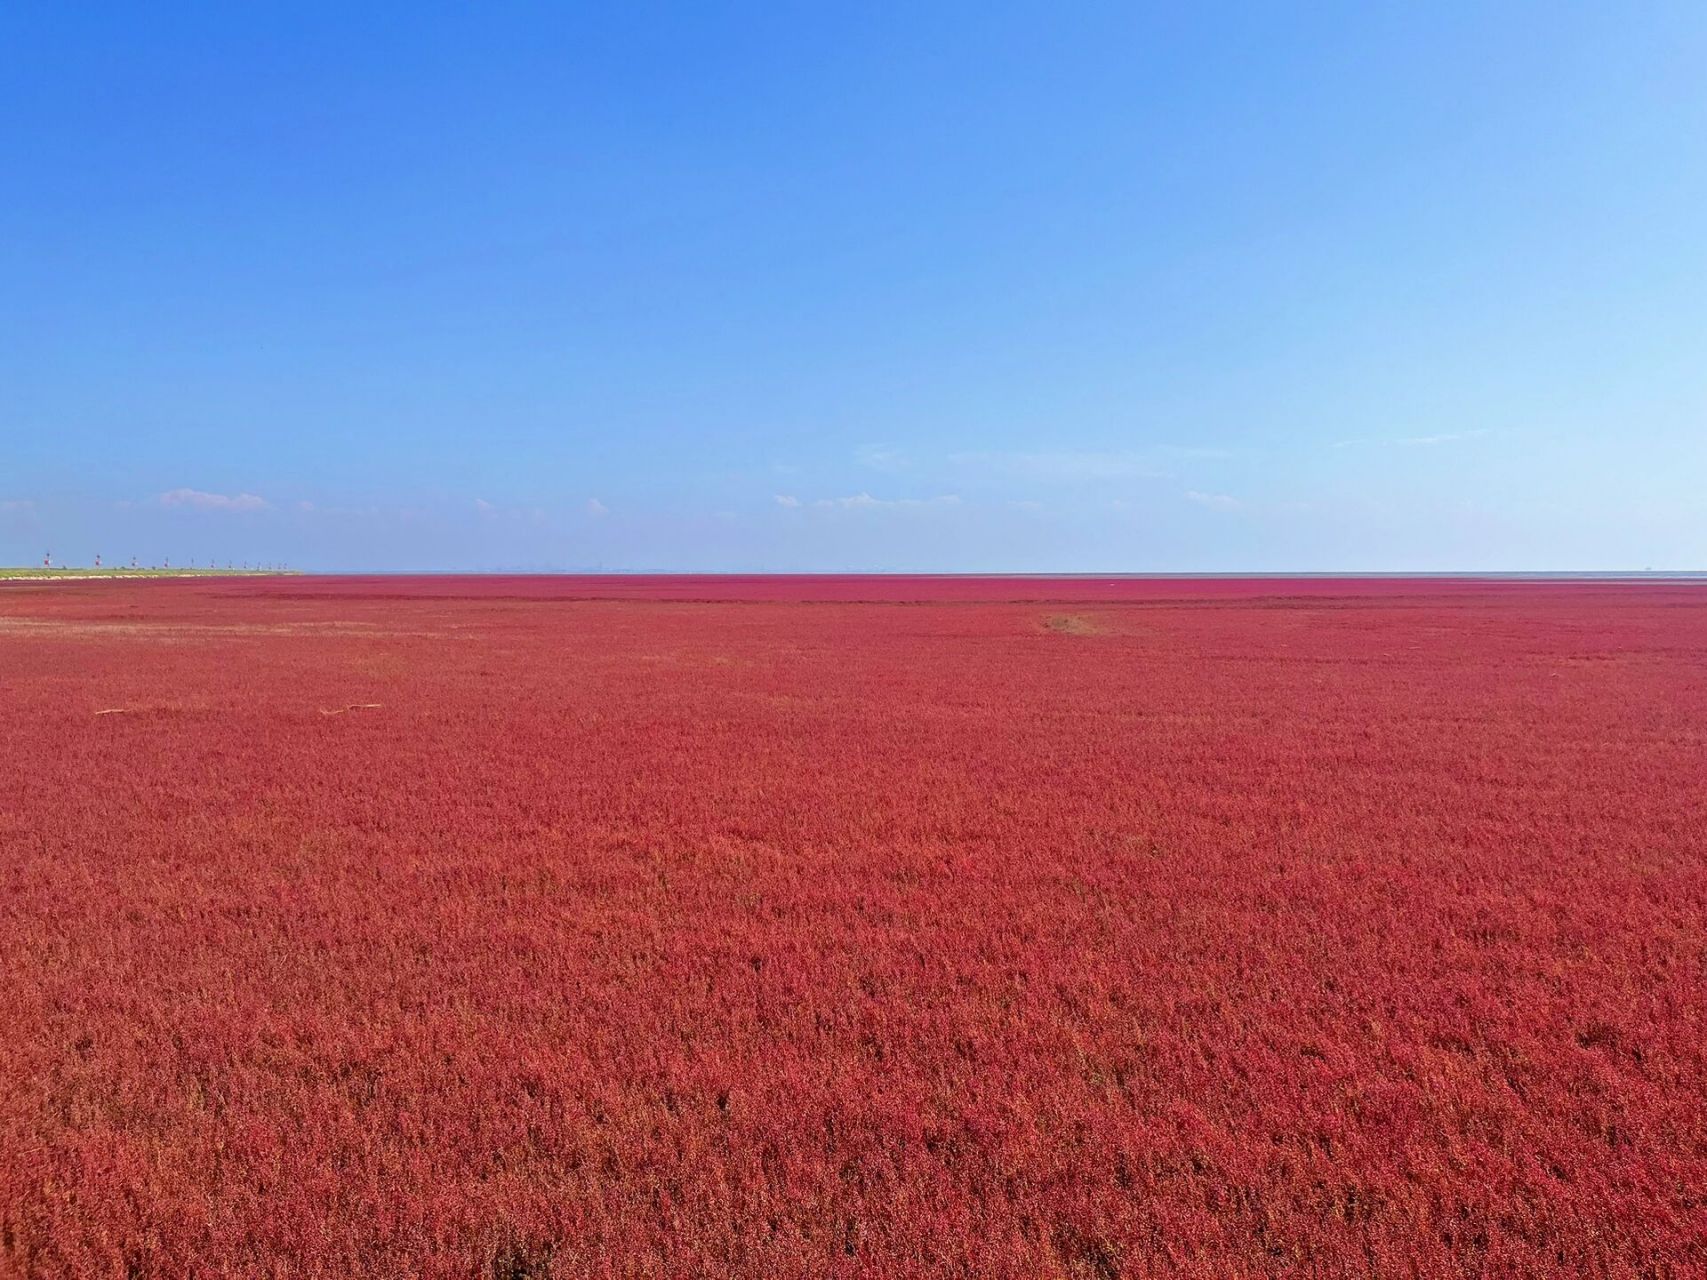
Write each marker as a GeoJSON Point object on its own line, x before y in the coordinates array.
{"type": "Point", "coordinates": [1205, 452]}
{"type": "Point", "coordinates": [881, 457]}
{"type": "Point", "coordinates": [484, 507]}
{"type": "Point", "coordinates": [595, 508]}
{"type": "Point", "coordinates": [17, 514]}
{"type": "Point", "coordinates": [1063, 465]}
{"type": "Point", "coordinates": [1445, 437]}
{"type": "Point", "coordinates": [864, 501]}
{"type": "Point", "coordinates": [198, 500]}
{"type": "Point", "coordinates": [787, 500]}
{"type": "Point", "coordinates": [1214, 501]}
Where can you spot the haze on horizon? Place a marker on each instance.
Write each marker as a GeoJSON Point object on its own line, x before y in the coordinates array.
{"type": "Point", "coordinates": [943, 288]}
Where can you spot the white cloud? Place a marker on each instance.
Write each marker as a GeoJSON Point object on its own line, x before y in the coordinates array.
{"type": "Point", "coordinates": [787, 500]}
{"type": "Point", "coordinates": [1214, 501]}
{"type": "Point", "coordinates": [864, 501]}
{"type": "Point", "coordinates": [200, 501]}
{"type": "Point", "coordinates": [305, 505]}
{"type": "Point", "coordinates": [17, 506]}
{"type": "Point", "coordinates": [483, 506]}
{"type": "Point", "coordinates": [595, 508]}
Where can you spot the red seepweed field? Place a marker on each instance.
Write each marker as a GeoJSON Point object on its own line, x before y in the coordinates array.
{"type": "Point", "coordinates": [789, 927]}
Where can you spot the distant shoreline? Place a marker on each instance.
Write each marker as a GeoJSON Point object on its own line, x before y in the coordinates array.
{"type": "Point", "coordinates": [56, 574]}
{"type": "Point", "coordinates": [83, 575]}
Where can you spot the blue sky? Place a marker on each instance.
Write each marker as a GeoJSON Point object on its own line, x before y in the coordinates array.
{"type": "Point", "coordinates": [866, 287]}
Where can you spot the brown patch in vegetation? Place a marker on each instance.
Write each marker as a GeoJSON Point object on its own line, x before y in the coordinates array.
{"type": "Point", "coordinates": [1071, 624]}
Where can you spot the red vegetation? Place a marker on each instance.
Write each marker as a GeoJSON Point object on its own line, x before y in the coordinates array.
{"type": "Point", "coordinates": [852, 927]}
